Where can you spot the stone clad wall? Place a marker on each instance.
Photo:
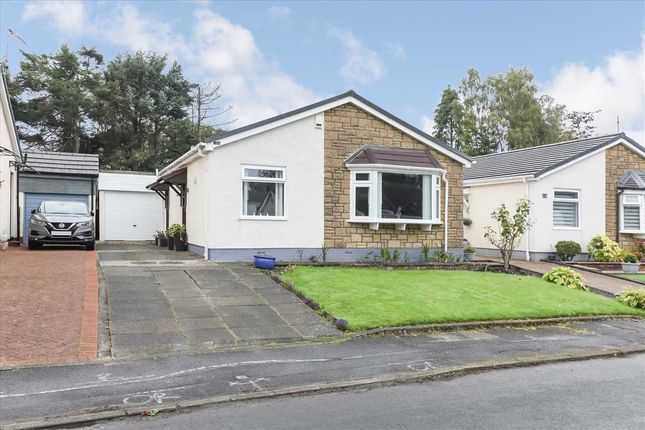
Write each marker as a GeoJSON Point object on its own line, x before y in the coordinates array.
{"type": "Point", "coordinates": [618, 161]}
{"type": "Point", "coordinates": [347, 128]}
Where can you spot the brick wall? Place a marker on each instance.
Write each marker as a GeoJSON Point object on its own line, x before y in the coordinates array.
{"type": "Point", "coordinates": [347, 128]}
{"type": "Point", "coordinates": [618, 161]}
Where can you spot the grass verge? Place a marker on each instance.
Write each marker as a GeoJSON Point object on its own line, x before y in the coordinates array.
{"type": "Point", "coordinates": [634, 277]}
{"type": "Point", "coordinates": [371, 298]}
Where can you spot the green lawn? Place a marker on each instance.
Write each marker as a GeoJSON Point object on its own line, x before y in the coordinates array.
{"type": "Point", "coordinates": [634, 276]}
{"type": "Point", "coordinates": [369, 298]}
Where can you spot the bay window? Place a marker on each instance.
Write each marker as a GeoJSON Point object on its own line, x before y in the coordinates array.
{"type": "Point", "coordinates": [391, 196]}
{"type": "Point", "coordinates": [263, 192]}
{"type": "Point", "coordinates": [632, 212]}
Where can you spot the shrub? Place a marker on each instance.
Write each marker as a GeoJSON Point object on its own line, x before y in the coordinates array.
{"type": "Point", "coordinates": [567, 249]}
{"type": "Point", "coordinates": [634, 298]}
{"type": "Point", "coordinates": [384, 254]}
{"type": "Point", "coordinates": [467, 221]}
{"type": "Point", "coordinates": [602, 248]}
{"type": "Point", "coordinates": [341, 324]}
{"type": "Point", "coordinates": [425, 252]}
{"type": "Point", "coordinates": [638, 255]}
{"type": "Point", "coordinates": [444, 257]}
{"type": "Point", "coordinates": [469, 250]}
{"type": "Point", "coordinates": [630, 258]}
{"type": "Point", "coordinates": [566, 277]}
{"type": "Point", "coordinates": [510, 229]}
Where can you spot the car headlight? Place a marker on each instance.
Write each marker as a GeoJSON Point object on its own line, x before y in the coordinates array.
{"type": "Point", "coordinates": [38, 222]}
{"type": "Point", "coordinates": [85, 224]}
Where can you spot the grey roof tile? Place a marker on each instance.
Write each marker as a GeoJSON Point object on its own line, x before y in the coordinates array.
{"type": "Point", "coordinates": [68, 163]}
{"type": "Point", "coordinates": [351, 93]}
{"type": "Point", "coordinates": [537, 160]}
{"type": "Point", "coordinates": [375, 154]}
{"type": "Point", "coordinates": [633, 180]}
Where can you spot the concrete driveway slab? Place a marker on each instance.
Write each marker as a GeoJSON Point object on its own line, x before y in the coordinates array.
{"type": "Point", "coordinates": [160, 301]}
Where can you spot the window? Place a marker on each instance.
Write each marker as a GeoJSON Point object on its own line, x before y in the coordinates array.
{"type": "Point", "coordinates": [389, 195]}
{"type": "Point", "coordinates": [263, 191]}
{"type": "Point", "coordinates": [565, 209]}
{"type": "Point", "coordinates": [632, 212]}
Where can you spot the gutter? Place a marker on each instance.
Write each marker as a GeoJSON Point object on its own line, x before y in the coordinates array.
{"type": "Point", "coordinates": [198, 149]}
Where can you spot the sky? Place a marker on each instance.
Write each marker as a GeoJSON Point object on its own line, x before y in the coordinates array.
{"type": "Point", "coordinates": [271, 57]}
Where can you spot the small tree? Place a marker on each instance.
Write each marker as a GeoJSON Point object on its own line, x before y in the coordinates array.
{"type": "Point", "coordinates": [510, 229]}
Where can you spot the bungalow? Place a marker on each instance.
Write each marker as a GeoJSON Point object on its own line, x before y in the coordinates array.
{"type": "Point", "coordinates": [342, 174]}
{"type": "Point", "coordinates": [578, 189]}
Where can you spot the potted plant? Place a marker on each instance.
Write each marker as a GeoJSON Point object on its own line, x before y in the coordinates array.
{"type": "Point", "coordinates": [179, 235]}
{"type": "Point", "coordinates": [469, 253]}
{"type": "Point", "coordinates": [161, 239]}
{"type": "Point", "coordinates": [630, 263]}
{"type": "Point", "coordinates": [170, 237]}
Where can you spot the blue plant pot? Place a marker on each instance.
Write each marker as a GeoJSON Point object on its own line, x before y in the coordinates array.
{"type": "Point", "coordinates": [264, 262]}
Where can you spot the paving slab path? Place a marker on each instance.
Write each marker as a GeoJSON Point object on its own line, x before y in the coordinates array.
{"type": "Point", "coordinates": [160, 301]}
{"type": "Point", "coordinates": [606, 285]}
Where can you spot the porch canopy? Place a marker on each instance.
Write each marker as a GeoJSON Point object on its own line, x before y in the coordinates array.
{"type": "Point", "coordinates": [632, 180]}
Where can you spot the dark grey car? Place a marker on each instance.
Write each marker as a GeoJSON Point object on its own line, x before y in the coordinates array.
{"type": "Point", "coordinates": [58, 222]}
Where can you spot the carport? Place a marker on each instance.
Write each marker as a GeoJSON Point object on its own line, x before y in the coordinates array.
{"type": "Point", "coordinates": [62, 176]}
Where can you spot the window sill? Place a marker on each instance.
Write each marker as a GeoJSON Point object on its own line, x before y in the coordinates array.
{"type": "Point", "coordinates": [400, 224]}
{"type": "Point", "coordinates": [640, 232]}
{"type": "Point", "coordinates": [567, 228]}
{"type": "Point", "coordinates": [262, 218]}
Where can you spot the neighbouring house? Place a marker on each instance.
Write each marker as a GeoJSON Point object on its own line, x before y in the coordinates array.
{"type": "Point", "coordinates": [127, 209]}
{"type": "Point", "coordinates": [578, 189]}
{"type": "Point", "coordinates": [65, 176]}
{"type": "Point", "coordinates": [10, 158]}
{"type": "Point", "coordinates": [342, 173]}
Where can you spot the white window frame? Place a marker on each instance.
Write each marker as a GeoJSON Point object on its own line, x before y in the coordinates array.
{"type": "Point", "coordinates": [578, 225]}
{"type": "Point", "coordinates": [245, 179]}
{"type": "Point", "coordinates": [640, 196]}
{"type": "Point", "coordinates": [432, 182]}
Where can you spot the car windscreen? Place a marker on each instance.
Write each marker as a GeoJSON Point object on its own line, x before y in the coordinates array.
{"type": "Point", "coordinates": [63, 207]}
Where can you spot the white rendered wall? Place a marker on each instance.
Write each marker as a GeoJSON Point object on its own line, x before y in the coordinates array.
{"type": "Point", "coordinates": [483, 200]}
{"type": "Point", "coordinates": [588, 178]}
{"type": "Point", "coordinates": [7, 182]}
{"type": "Point", "coordinates": [174, 216]}
{"type": "Point", "coordinates": [195, 215]}
{"type": "Point", "coordinates": [299, 147]}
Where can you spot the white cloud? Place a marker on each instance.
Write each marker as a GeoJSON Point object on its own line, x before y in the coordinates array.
{"type": "Point", "coordinates": [617, 88]}
{"type": "Point", "coordinates": [216, 50]}
{"type": "Point", "coordinates": [67, 16]}
{"type": "Point", "coordinates": [396, 51]}
{"type": "Point", "coordinates": [361, 64]}
{"type": "Point", "coordinates": [427, 124]}
{"type": "Point", "coordinates": [280, 12]}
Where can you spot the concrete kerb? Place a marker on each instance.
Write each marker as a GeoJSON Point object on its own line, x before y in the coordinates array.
{"type": "Point", "coordinates": [91, 416]}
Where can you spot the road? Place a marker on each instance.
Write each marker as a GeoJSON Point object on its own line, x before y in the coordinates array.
{"type": "Point", "coordinates": [594, 394]}
{"type": "Point", "coordinates": [175, 381]}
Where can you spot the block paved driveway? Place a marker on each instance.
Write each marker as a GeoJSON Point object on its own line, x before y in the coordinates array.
{"type": "Point", "coordinates": [161, 301]}
{"type": "Point", "coordinates": [48, 306]}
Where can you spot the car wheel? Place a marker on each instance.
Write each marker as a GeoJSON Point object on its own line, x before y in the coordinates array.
{"type": "Point", "coordinates": [33, 245]}
{"type": "Point", "coordinates": [90, 246]}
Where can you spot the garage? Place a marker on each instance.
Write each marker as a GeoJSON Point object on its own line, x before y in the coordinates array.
{"type": "Point", "coordinates": [127, 210]}
{"type": "Point", "coordinates": [62, 176]}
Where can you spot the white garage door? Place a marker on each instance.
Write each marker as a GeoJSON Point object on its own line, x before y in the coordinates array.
{"type": "Point", "coordinates": [131, 215]}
